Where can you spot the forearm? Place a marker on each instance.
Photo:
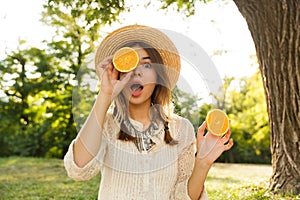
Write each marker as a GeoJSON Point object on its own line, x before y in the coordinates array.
{"type": "Point", "coordinates": [197, 179]}
{"type": "Point", "coordinates": [88, 140]}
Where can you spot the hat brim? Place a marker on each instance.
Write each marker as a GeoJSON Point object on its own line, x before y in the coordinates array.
{"type": "Point", "coordinates": [151, 36]}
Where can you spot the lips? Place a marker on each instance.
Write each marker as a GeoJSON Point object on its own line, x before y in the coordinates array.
{"type": "Point", "coordinates": [136, 89]}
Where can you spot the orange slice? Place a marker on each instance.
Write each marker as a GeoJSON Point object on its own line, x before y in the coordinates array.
{"type": "Point", "coordinates": [217, 122]}
{"type": "Point", "coordinates": [125, 59]}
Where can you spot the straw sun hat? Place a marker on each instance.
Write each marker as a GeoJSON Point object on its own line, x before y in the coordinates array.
{"type": "Point", "coordinates": [151, 36]}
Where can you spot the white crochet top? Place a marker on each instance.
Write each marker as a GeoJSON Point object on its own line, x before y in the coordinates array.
{"type": "Point", "coordinates": [160, 173]}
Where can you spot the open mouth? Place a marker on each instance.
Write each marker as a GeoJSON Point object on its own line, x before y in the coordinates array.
{"type": "Point", "coordinates": [136, 86]}
{"type": "Point", "coordinates": [136, 89]}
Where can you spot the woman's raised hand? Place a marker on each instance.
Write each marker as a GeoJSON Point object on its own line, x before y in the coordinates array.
{"type": "Point", "coordinates": [108, 75]}
{"type": "Point", "coordinates": [210, 147]}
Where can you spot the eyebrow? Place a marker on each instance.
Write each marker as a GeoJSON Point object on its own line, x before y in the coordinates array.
{"type": "Point", "coordinates": [144, 58]}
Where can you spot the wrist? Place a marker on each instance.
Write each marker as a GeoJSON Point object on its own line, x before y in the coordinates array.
{"type": "Point", "coordinates": [202, 162]}
{"type": "Point", "coordinates": [103, 100]}
{"type": "Point", "coordinates": [107, 91]}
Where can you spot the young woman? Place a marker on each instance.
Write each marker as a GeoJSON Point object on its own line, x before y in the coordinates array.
{"type": "Point", "coordinates": [141, 148]}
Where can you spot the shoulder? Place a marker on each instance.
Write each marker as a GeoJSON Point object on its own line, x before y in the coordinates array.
{"type": "Point", "coordinates": [181, 128]}
{"type": "Point", "coordinates": [180, 122]}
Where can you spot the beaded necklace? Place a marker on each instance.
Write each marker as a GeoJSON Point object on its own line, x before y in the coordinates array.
{"type": "Point", "coordinates": [142, 140]}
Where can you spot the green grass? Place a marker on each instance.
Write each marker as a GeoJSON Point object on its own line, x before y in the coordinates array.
{"type": "Point", "coordinates": [41, 179]}
{"type": "Point", "coordinates": [241, 181]}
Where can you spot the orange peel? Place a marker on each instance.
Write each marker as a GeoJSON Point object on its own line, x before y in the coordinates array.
{"type": "Point", "coordinates": [125, 59]}
{"type": "Point", "coordinates": [217, 122]}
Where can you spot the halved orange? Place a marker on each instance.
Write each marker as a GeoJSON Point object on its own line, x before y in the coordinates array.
{"type": "Point", "coordinates": [125, 59]}
{"type": "Point", "coordinates": [217, 122]}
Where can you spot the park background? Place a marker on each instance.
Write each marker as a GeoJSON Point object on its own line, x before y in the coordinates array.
{"type": "Point", "coordinates": [39, 65]}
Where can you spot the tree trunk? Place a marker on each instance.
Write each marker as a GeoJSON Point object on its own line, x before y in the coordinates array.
{"type": "Point", "coordinates": [275, 29]}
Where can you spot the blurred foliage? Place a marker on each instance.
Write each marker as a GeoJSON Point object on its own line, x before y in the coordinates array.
{"type": "Point", "coordinates": [186, 105]}
{"type": "Point", "coordinates": [186, 7]}
{"type": "Point", "coordinates": [247, 110]}
{"type": "Point", "coordinates": [37, 84]}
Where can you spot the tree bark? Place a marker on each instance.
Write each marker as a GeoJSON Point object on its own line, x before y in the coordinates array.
{"type": "Point", "coordinates": [275, 29]}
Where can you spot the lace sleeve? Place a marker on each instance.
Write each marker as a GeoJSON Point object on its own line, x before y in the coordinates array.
{"type": "Point", "coordinates": [185, 168]}
{"type": "Point", "coordinates": [186, 159]}
{"type": "Point", "coordinates": [92, 168]}
{"type": "Point", "coordinates": [87, 172]}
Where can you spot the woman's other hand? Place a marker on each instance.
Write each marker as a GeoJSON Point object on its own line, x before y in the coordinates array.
{"type": "Point", "coordinates": [210, 147]}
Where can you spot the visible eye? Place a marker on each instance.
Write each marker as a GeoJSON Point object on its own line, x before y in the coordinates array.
{"type": "Point", "coordinates": [147, 65]}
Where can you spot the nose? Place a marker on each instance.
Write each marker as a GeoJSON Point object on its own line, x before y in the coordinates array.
{"type": "Point", "coordinates": [138, 71]}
